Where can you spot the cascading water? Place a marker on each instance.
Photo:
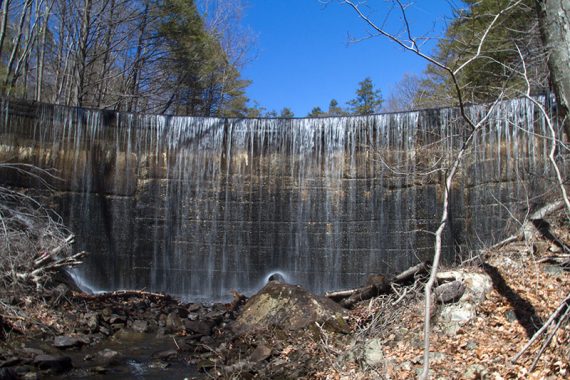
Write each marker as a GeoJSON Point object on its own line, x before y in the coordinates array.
{"type": "Point", "coordinates": [199, 206]}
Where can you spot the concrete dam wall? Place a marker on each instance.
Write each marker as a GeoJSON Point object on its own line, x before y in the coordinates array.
{"type": "Point", "coordinates": [199, 206]}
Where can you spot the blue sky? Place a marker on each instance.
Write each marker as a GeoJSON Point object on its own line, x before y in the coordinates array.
{"type": "Point", "coordinates": [304, 56]}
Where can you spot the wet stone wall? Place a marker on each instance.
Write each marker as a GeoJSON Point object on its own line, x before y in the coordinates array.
{"type": "Point", "coordinates": [199, 206]}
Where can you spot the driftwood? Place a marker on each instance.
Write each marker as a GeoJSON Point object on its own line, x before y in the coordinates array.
{"type": "Point", "coordinates": [375, 286]}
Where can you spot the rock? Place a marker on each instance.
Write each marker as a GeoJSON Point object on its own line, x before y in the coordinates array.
{"type": "Point", "coordinates": [195, 307]}
{"type": "Point", "coordinates": [449, 292]}
{"type": "Point", "coordinates": [173, 322]}
{"type": "Point", "coordinates": [471, 345]}
{"type": "Point", "coordinates": [199, 327]}
{"type": "Point", "coordinates": [158, 365]}
{"type": "Point", "coordinates": [140, 326]}
{"type": "Point", "coordinates": [215, 315]}
{"type": "Point", "coordinates": [555, 270]}
{"type": "Point", "coordinates": [477, 285]}
{"type": "Point", "coordinates": [460, 313]}
{"type": "Point", "coordinates": [104, 330]}
{"type": "Point", "coordinates": [510, 315]}
{"type": "Point", "coordinates": [32, 352]}
{"type": "Point", "coordinates": [117, 319]}
{"type": "Point", "coordinates": [54, 363]}
{"type": "Point", "coordinates": [288, 307]}
{"type": "Point", "coordinates": [64, 341]}
{"type": "Point", "coordinates": [92, 321]}
{"type": "Point", "coordinates": [99, 369]}
{"type": "Point", "coordinates": [8, 374]}
{"type": "Point", "coordinates": [260, 353]}
{"type": "Point", "coordinates": [166, 355]}
{"type": "Point", "coordinates": [476, 371]}
{"type": "Point", "coordinates": [108, 356]}
{"type": "Point", "coordinates": [10, 362]}
{"type": "Point", "coordinates": [182, 312]}
{"type": "Point", "coordinates": [373, 353]}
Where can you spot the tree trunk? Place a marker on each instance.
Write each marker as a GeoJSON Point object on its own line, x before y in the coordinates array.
{"type": "Point", "coordinates": [80, 70]}
{"type": "Point", "coordinates": [5, 7]}
{"type": "Point", "coordinates": [554, 19]}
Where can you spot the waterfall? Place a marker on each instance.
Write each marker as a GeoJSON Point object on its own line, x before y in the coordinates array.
{"type": "Point", "coordinates": [198, 206]}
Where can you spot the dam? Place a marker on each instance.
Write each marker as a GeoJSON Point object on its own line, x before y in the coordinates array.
{"type": "Point", "coordinates": [196, 207]}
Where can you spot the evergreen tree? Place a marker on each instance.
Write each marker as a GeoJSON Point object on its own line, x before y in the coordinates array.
{"type": "Point", "coordinates": [200, 79]}
{"type": "Point", "coordinates": [335, 109]}
{"type": "Point", "coordinates": [316, 112]}
{"type": "Point", "coordinates": [367, 101]}
{"type": "Point", "coordinates": [491, 74]}
{"type": "Point", "coordinates": [286, 113]}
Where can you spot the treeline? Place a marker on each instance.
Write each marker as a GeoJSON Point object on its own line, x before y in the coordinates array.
{"type": "Point", "coordinates": [503, 53]}
{"type": "Point", "coordinates": [155, 56]}
{"type": "Point", "coordinates": [367, 101]}
{"type": "Point", "coordinates": [513, 46]}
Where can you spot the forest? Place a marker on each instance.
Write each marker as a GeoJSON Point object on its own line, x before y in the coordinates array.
{"type": "Point", "coordinates": [184, 58]}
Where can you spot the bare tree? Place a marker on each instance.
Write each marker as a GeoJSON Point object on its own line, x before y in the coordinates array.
{"type": "Point", "coordinates": [403, 95]}
{"type": "Point", "coordinates": [554, 19]}
{"type": "Point", "coordinates": [410, 43]}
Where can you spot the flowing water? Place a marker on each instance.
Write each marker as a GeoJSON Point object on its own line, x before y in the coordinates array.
{"type": "Point", "coordinates": [199, 206]}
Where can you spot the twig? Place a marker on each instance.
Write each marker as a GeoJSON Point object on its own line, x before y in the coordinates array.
{"type": "Point", "coordinates": [176, 343]}
{"type": "Point", "coordinates": [538, 334]}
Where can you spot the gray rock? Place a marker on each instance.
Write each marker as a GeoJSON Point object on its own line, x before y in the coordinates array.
{"type": "Point", "coordinates": [373, 353]}
{"type": "Point", "coordinates": [476, 371]}
{"type": "Point", "coordinates": [140, 326]}
{"type": "Point", "coordinates": [460, 313]}
{"type": "Point", "coordinates": [555, 270]}
{"type": "Point", "coordinates": [117, 319]}
{"type": "Point", "coordinates": [511, 316]}
{"type": "Point", "coordinates": [65, 341]}
{"type": "Point", "coordinates": [449, 292]}
{"type": "Point", "coordinates": [109, 357]}
{"type": "Point", "coordinates": [92, 321]}
{"type": "Point", "coordinates": [173, 322]}
{"type": "Point", "coordinates": [199, 327]}
{"type": "Point", "coordinates": [195, 307]}
{"type": "Point", "coordinates": [32, 351]}
{"type": "Point", "coordinates": [166, 355]}
{"type": "Point", "coordinates": [54, 363]}
{"type": "Point", "coordinates": [260, 353]}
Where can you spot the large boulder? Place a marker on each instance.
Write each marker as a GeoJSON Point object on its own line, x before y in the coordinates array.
{"type": "Point", "coordinates": [289, 307]}
{"type": "Point", "coordinates": [475, 288]}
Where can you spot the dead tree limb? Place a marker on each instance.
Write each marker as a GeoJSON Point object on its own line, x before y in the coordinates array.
{"type": "Point", "coordinates": [555, 319]}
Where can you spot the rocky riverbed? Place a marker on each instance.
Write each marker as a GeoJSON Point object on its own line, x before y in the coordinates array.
{"type": "Point", "coordinates": [483, 315]}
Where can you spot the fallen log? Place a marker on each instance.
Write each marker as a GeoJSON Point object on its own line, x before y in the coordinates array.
{"type": "Point", "coordinates": [411, 273]}
{"type": "Point", "coordinates": [375, 286]}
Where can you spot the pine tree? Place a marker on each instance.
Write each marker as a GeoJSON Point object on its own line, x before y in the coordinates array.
{"type": "Point", "coordinates": [491, 74]}
{"type": "Point", "coordinates": [335, 109]}
{"type": "Point", "coordinates": [316, 112]}
{"type": "Point", "coordinates": [286, 113]}
{"type": "Point", "coordinates": [368, 100]}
